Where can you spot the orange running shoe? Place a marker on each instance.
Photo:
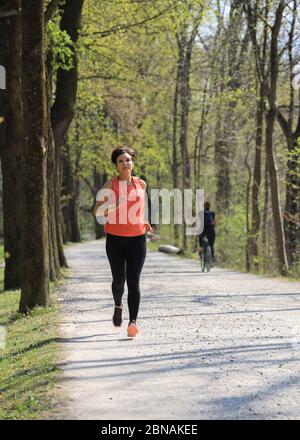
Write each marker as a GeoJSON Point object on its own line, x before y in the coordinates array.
{"type": "Point", "coordinates": [132, 330]}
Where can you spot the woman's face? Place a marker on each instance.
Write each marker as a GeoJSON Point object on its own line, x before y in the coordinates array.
{"type": "Point", "coordinates": [124, 163]}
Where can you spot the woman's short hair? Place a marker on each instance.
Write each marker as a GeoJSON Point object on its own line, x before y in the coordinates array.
{"type": "Point", "coordinates": [206, 205]}
{"type": "Point", "coordinates": [121, 149]}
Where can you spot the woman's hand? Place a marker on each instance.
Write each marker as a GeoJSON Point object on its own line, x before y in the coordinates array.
{"type": "Point", "coordinates": [94, 211]}
{"type": "Point", "coordinates": [148, 227]}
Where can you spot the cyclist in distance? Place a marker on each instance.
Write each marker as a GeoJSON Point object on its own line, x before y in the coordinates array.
{"type": "Point", "coordinates": [209, 228]}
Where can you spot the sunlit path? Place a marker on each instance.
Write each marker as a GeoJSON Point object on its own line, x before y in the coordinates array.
{"type": "Point", "coordinates": [221, 345]}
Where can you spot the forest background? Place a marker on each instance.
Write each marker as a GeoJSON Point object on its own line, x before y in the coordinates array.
{"type": "Point", "coordinates": [203, 91]}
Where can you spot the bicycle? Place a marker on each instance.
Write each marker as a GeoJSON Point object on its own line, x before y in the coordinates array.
{"type": "Point", "coordinates": [205, 255]}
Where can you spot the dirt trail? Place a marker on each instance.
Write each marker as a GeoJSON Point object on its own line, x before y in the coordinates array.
{"type": "Point", "coordinates": [223, 345]}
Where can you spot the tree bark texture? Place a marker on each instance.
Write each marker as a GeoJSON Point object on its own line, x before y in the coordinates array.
{"type": "Point", "coordinates": [34, 243]}
{"type": "Point", "coordinates": [11, 135]}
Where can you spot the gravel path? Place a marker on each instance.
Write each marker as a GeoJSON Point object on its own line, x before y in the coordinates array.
{"type": "Point", "coordinates": [223, 345]}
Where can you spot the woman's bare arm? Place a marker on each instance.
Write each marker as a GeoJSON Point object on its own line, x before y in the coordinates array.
{"type": "Point", "coordinates": [107, 185]}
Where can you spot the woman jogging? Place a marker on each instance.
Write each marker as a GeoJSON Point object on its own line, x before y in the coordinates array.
{"type": "Point", "coordinates": [125, 234]}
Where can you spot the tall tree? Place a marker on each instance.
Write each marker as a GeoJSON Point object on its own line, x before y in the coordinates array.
{"type": "Point", "coordinates": [11, 138]}
{"type": "Point", "coordinates": [270, 151]}
{"type": "Point", "coordinates": [260, 53]}
{"type": "Point", "coordinates": [292, 199]}
{"type": "Point", "coordinates": [233, 45]}
{"type": "Point", "coordinates": [185, 40]}
{"type": "Point", "coordinates": [71, 192]}
{"type": "Point", "coordinates": [63, 108]}
{"type": "Point", "coordinates": [175, 170]}
{"type": "Point", "coordinates": [270, 84]}
{"type": "Point", "coordinates": [34, 243]}
{"type": "Point", "coordinates": [54, 264]}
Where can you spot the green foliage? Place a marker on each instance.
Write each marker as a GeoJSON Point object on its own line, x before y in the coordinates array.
{"type": "Point", "coordinates": [294, 157]}
{"type": "Point", "coordinates": [128, 60]}
{"type": "Point", "coordinates": [294, 271]}
{"type": "Point", "coordinates": [60, 46]}
{"type": "Point", "coordinates": [1, 252]}
{"type": "Point", "coordinates": [231, 238]}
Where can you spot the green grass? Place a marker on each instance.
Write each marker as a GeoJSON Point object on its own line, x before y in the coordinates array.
{"type": "Point", "coordinates": [28, 364]}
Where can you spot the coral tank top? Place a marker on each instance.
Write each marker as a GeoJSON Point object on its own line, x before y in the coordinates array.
{"type": "Point", "coordinates": [128, 219]}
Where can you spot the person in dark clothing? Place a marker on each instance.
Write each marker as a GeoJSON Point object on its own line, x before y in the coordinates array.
{"type": "Point", "coordinates": [209, 228]}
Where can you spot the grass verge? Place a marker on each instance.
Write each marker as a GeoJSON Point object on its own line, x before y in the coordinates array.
{"type": "Point", "coordinates": [28, 363]}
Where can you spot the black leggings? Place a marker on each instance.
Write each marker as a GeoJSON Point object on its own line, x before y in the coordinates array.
{"type": "Point", "coordinates": [126, 257]}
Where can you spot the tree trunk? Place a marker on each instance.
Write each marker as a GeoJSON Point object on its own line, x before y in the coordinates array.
{"type": "Point", "coordinates": [63, 108]}
{"type": "Point", "coordinates": [265, 232]}
{"type": "Point", "coordinates": [185, 108]}
{"type": "Point", "coordinates": [199, 139]}
{"type": "Point", "coordinates": [184, 95]}
{"type": "Point", "coordinates": [99, 180]}
{"type": "Point", "coordinates": [222, 155]}
{"type": "Point", "coordinates": [70, 191]}
{"type": "Point", "coordinates": [271, 116]}
{"type": "Point", "coordinates": [67, 189]}
{"type": "Point", "coordinates": [54, 265]}
{"type": "Point", "coordinates": [34, 243]}
{"type": "Point", "coordinates": [11, 136]}
{"type": "Point", "coordinates": [292, 205]}
{"type": "Point", "coordinates": [174, 139]}
{"type": "Point", "coordinates": [74, 212]}
{"type": "Point", "coordinates": [275, 197]}
{"type": "Point", "coordinates": [271, 93]}
{"type": "Point", "coordinates": [248, 265]}
{"type": "Point", "coordinates": [255, 220]}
